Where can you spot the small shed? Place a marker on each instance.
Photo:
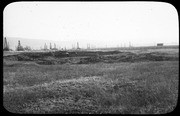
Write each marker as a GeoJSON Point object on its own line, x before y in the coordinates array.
{"type": "Point", "coordinates": [159, 44]}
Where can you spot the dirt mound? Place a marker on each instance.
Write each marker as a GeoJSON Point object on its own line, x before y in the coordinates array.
{"type": "Point", "coordinates": [86, 57]}
{"type": "Point", "coordinates": [128, 57]}
{"type": "Point", "coordinates": [155, 56]}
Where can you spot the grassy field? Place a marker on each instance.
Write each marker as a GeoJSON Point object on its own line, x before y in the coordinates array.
{"type": "Point", "coordinates": [147, 87]}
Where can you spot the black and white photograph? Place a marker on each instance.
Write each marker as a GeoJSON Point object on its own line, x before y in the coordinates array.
{"type": "Point", "coordinates": [90, 57]}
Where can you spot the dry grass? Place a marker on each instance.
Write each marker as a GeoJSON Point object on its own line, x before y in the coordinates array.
{"type": "Point", "coordinates": [138, 88]}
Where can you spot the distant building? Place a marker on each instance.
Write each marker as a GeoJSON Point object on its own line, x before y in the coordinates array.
{"type": "Point", "coordinates": [159, 44]}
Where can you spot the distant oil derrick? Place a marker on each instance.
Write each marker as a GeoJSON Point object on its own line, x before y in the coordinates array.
{"type": "Point", "coordinates": [5, 45]}
{"type": "Point", "coordinates": [45, 47]}
{"type": "Point", "coordinates": [88, 46]}
{"type": "Point", "coordinates": [19, 47]}
{"type": "Point", "coordinates": [54, 47]}
{"type": "Point", "coordinates": [78, 46]}
{"type": "Point", "coordinates": [73, 46]}
{"type": "Point", "coordinates": [50, 47]}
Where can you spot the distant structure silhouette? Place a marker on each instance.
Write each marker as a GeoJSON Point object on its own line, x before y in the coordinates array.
{"type": "Point", "coordinates": [50, 47]}
{"type": "Point", "coordinates": [78, 46]}
{"type": "Point", "coordinates": [159, 44]}
{"type": "Point", "coordinates": [73, 46]}
{"type": "Point", "coordinates": [19, 47]}
{"type": "Point", "coordinates": [88, 46]}
{"type": "Point", "coordinates": [45, 47]}
{"type": "Point", "coordinates": [27, 48]}
{"type": "Point", "coordinates": [54, 47]}
{"type": "Point", "coordinates": [5, 45]}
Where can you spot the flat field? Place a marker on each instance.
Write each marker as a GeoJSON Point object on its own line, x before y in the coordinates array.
{"type": "Point", "coordinates": [141, 82]}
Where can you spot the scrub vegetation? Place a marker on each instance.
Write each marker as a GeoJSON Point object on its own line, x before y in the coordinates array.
{"type": "Point", "coordinates": [122, 83]}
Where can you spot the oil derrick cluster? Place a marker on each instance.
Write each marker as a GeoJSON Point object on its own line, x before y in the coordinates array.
{"type": "Point", "coordinates": [54, 47]}
{"type": "Point", "coordinates": [50, 47]}
{"type": "Point", "coordinates": [21, 48]}
{"type": "Point", "coordinates": [77, 46]}
{"type": "Point", "coordinates": [18, 48]}
{"type": "Point", "coordinates": [5, 45]}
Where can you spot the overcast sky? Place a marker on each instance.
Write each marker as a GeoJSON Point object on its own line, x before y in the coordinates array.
{"type": "Point", "coordinates": [96, 23]}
